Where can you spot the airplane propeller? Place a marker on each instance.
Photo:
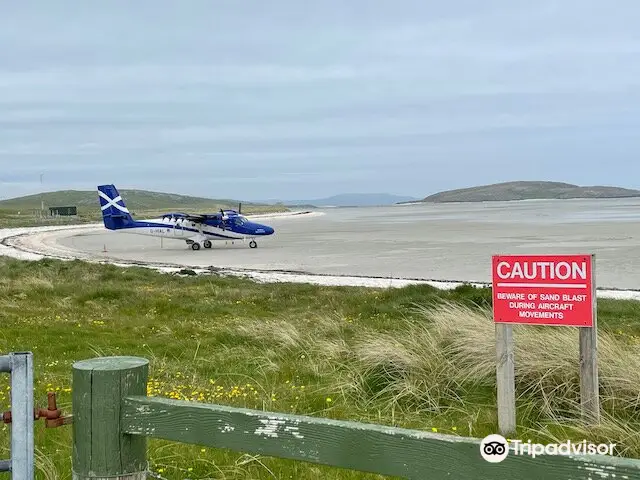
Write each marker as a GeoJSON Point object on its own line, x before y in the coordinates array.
{"type": "Point", "coordinates": [223, 218]}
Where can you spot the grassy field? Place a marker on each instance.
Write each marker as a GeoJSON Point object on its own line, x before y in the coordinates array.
{"type": "Point", "coordinates": [13, 219]}
{"type": "Point", "coordinates": [414, 357]}
{"type": "Point", "coordinates": [19, 212]}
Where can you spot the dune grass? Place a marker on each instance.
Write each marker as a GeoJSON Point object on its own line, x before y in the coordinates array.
{"type": "Point", "coordinates": [415, 357]}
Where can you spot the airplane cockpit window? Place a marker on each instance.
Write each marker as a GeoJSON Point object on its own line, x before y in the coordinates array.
{"type": "Point", "coordinates": [239, 220]}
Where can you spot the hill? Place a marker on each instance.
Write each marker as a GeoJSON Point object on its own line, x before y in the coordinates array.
{"type": "Point", "coordinates": [25, 211]}
{"type": "Point", "coordinates": [135, 199]}
{"type": "Point", "coordinates": [352, 200]}
{"type": "Point", "coordinates": [528, 190]}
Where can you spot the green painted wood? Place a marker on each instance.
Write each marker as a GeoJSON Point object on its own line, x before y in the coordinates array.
{"type": "Point", "coordinates": [81, 426]}
{"type": "Point", "coordinates": [390, 451]}
{"type": "Point", "coordinates": [100, 448]}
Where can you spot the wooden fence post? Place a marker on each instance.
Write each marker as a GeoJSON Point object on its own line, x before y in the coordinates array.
{"type": "Point", "coordinates": [589, 382]}
{"type": "Point", "coordinates": [506, 380]}
{"type": "Point", "coordinates": [100, 449]}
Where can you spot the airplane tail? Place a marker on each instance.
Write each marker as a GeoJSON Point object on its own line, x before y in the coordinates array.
{"type": "Point", "coordinates": [115, 214]}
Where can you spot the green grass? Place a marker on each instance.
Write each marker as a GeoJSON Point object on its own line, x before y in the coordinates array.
{"type": "Point", "coordinates": [19, 212]}
{"type": "Point", "coordinates": [414, 357]}
{"type": "Point", "coordinates": [141, 199]}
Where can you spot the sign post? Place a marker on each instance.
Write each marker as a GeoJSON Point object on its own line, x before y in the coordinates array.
{"type": "Point", "coordinates": [554, 290]}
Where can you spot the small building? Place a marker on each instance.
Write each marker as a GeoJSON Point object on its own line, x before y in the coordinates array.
{"type": "Point", "coordinates": [63, 211]}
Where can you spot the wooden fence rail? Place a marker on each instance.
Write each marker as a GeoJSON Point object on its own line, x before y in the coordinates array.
{"type": "Point", "coordinates": [113, 418]}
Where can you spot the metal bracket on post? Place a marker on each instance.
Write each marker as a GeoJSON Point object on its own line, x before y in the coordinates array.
{"type": "Point", "coordinates": [5, 363]}
{"type": "Point", "coordinates": [52, 414]}
{"type": "Point", "coordinates": [22, 462]}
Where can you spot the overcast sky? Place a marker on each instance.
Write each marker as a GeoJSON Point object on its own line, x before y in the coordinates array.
{"type": "Point", "coordinates": [301, 99]}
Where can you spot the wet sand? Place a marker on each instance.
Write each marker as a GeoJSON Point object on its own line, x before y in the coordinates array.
{"type": "Point", "coordinates": [446, 242]}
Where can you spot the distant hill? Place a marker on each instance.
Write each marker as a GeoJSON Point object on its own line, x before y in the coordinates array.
{"type": "Point", "coordinates": [352, 200]}
{"type": "Point", "coordinates": [135, 199]}
{"type": "Point", "coordinates": [528, 190]}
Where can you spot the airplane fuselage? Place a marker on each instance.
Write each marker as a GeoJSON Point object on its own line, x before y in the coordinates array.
{"type": "Point", "coordinates": [183, 229]}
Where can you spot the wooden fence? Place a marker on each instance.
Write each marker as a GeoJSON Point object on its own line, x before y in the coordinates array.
{"type": "Point", "coordinates": [113, 417]}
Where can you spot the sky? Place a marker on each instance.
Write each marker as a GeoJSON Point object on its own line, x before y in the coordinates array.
{"type": "Point", "coordinates": [285, 99]}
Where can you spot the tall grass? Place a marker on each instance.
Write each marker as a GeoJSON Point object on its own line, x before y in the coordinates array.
{"type": "Point", "coordinates": [441, 363]}
{"type": "Point", "coordinates": [414, 357]}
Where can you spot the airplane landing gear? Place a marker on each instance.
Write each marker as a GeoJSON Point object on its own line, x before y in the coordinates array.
{"type": "Point", "coordinates": [253, 244]}
{"type": "Point", "coordinates": [207, 244]}
{"type": "Point", "coordinates": [195, 246]}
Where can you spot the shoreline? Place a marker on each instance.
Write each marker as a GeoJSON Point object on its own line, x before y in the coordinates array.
{"type": "Point", "coordinates": [11, 245]}
{"type": "Point", "coordinates": [519, 200]}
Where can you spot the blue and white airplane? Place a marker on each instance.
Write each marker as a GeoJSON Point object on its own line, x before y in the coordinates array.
{"type": "Point", "coordinates": [195, 229]}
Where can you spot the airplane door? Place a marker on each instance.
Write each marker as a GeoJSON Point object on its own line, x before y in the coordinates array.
{"type": "Point", "coordinates": [178, 231]}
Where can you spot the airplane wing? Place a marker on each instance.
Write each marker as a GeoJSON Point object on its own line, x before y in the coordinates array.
{"type": "Point", "coordinates": [201, 217]}
{"type": "Point", "coordinates": [193, 217]}
{"type": "Point", "coordinates": [197, 217]}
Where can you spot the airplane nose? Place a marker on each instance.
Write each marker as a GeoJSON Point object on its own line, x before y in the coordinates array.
{"type": "Point", "coordinates": [263, 229]}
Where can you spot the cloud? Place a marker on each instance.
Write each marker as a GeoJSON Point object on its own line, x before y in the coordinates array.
{"type": "Point", "coordinates": [140, 76]}
{"type": "Point", "coordinates": [297, 99]}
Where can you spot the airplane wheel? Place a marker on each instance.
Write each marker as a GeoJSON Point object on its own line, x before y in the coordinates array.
{"type": "Point", "coordinates": [195, 246]}
{"type": "Point", "coordinates": [253, 244]}
{"type": "Point", "coordinates": [207, 244]}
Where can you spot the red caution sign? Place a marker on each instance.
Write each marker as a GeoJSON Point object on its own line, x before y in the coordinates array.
{"type": "Point", "coordinates": [543, 289]}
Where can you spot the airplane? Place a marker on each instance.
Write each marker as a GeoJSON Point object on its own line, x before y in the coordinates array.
{"type": "Point", "coordinates": [199, 229]}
